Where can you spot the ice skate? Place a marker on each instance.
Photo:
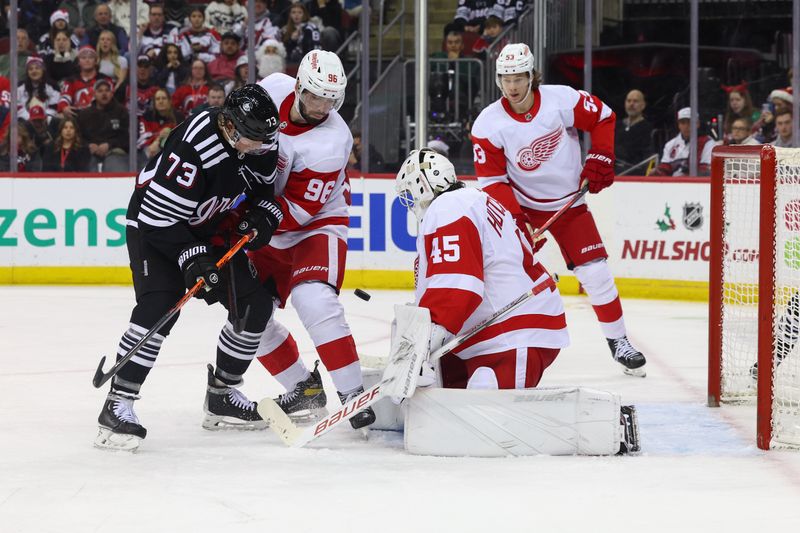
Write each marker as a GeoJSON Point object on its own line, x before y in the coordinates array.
{"type": "Point", "coordinates": [306, 402]}
{"type": "Point", "coordinates": [227, 408]}
{"type": "Point", "coordinates": [630, 426]}
{"type": "Point", "coordinates": [630, 358]}
{"type": "Point", "coordinates": [363, 418]}
{"type": "Point", "coordinates": [119, 427]}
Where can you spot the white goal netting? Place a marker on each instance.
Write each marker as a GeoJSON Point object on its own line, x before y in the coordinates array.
{"type": "Point", "coordinates": [742, 223]}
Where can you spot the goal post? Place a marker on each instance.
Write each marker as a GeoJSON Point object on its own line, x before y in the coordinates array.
{"type": "Point", "coordinates": [754, 287]}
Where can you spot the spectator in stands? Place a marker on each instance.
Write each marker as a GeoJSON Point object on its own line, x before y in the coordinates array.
{"type": "Point", "coordinates": [102, 22]}
{"type": "Point", "coordinates": [226, 16]}
{"type": "Point", "coordinates": [105, 127]}
{"type": "Point", "coordinates": [299, 35]}
{"type": "Point", "coordinates": [376, 163]}
{"type": "Point", "coordinates": [329, 13]}
{"type": "Point", "coordinates": [194, 90]}
{"type": "Point", "coordinates": [779, 100]}
{"type": "Point", "coordinates": [81, 14]}
{"type": "Point", "coordinates": [509, 10]}
{"type": "Point", "coordinates": [216, 97]}
{"type": "Point", "coordinates": [239, 75]}
{"type": "Point", "coordinates": [741, 132]}
{"type": "Point", "coordinates": [675, 161]}
{"type": "Point", "coordinates": [264, 29]}
{"type": "Point", "coordinates": [61, 64]}
{"type": "Point", "coordinates": [223, 68]}
{"type": "Point", "coordinates": [121, 13]}
{"type": "Point", "coordinates": [175, 12]}
{"type": "Point", "coordinates": [197, 41]}
{"type": "Point", "coordinates": [59, 20]}
{"type": "Point", "coordinates": [170, 68]}
{"type": "Point", "coordinates": [271, 58]}
{"type": "Point", "coordinates": [145, 86]}
{"type": "Point", "coordinates": [23, 53]}
{"type": "Point", "coordinates": [449, 79]}
{"type": "Point", "coordinates": [34, 16]}
{"type": "Point", "coordinates": [633, 143]}
{"type": "Point", "coordinates": [740, 105]}
{"type": "Point", "coordinates": [43, 128]}
{"type": "Point", "coordinates": [28, 159]}
{"type": "Point", "coordinates": [783, 129]}
{"type": "Point", "coordinates": [68, 153]}
{"type": "Point", "coordinates": [35, 90]}
{"type": "Point", "coordinates": [78, 92]}
{"type": "Point", "coordinates": [109, 60]}
{"type": "Point", "coordinates": [279, 11]}
{"type": "Point", "coordinates": [491, 29]}
{"type": "Point", "coordinates": [155, 125]}
{"type": "Point", "coordinates": [156, 34]}
{"type": "Point", "coordinates": [471, 14]}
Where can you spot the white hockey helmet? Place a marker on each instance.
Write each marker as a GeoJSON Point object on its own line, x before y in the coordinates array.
{"type": "Point", "coordinates": [321, 73]}
{"type": "Point", "coordinates": [424, 175]}
{"type": "Point", "coordinates": [514, 58]}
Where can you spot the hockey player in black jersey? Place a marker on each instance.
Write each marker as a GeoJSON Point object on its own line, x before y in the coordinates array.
{"type": "Point", "coordinates": [176, 233]}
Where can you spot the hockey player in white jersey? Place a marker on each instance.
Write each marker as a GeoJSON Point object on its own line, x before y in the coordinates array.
{"type": "Point", "coordinates": [528, 157]}
{"type": "Point", "coordinates": [472, 261]}
{"type": "Point", "coordinates": [306, 258]}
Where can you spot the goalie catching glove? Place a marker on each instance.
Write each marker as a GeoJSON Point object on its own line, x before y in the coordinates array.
{"type": "Point", "coordinates": [598, 169]}
{"type": "Point", "coordinates": [264, 218]}
{"type": "Point", "coordinates": [196, 263]}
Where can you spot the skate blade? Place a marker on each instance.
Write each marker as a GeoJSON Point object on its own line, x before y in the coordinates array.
{"type": "Point", "coordinates": [636, 372]}
{"type": "Point", "coordinates": [116, 442]}
{"type": "Point", "coordinates": [217, 423]}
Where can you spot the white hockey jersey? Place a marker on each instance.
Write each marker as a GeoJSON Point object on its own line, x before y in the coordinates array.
{"type": "Point", "coordinates": [311, 183]}
{"type": "Point", "coordinates": [533, 159]}
{"type": "Point", "coordinates": [472, 262]}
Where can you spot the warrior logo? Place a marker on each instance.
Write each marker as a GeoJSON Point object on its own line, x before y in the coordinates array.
{"type": "Point", "coordinates": [692, 216]}
{"type": "Point", "coordinates": [540, 150]}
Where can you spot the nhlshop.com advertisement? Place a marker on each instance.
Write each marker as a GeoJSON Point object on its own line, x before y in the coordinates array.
{"type": "Point", "coordinates": [72, 230]}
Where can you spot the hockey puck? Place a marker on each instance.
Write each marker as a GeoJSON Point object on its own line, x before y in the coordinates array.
{"type": "Point", "coordinates": [364, 295]}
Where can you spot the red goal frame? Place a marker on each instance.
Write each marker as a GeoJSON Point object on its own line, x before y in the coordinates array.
{"type": "Point", "coordinates": [766, 281]}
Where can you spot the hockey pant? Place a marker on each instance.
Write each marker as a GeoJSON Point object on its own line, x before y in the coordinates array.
{"type": "Point", "coordinates": [159, 284]}
{"type": "Point", "coordinates": [519, 368]}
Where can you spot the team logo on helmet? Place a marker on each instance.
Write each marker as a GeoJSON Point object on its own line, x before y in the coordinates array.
{"type": "Point", "coordinates": [540, 150]}
{"type": "Point", "coordinates": [246, 107]}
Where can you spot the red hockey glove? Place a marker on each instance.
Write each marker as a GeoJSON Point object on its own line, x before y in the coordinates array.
{"type": "Point", "coordinates": [598, 170]}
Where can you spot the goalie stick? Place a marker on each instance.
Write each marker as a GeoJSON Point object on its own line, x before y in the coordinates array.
{"type": "Point", "coordinates": [293, 435]}
{"type": "Point", "coordinates": [101, 377]}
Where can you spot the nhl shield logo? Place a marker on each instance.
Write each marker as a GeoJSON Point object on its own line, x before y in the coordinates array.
{"type": "Point", "coordinates": [692, 216]}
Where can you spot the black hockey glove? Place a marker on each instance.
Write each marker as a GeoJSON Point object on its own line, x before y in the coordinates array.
{"type": "Point", "coordinates": [196, 262]}
{"type": "Point", "coordinates": [264, 217]}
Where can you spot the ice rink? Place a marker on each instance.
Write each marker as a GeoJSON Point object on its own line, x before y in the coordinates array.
{"type": "Point", "coordinates": [699, 469]}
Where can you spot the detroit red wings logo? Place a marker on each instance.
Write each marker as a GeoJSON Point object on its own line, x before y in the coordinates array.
{"type": "Point", "coordinates": [540, 150]}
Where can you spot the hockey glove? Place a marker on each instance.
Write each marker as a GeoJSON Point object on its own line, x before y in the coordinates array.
{"type": "Point", "coordinates": [598, 169]}
{"type": "Point", "coordinates": [263, 218]}
{"type": "Point", "coordinates": [196, 263]}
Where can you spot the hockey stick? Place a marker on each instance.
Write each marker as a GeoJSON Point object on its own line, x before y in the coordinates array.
{"type": "Point", "coordinates": [101, 377]}
{"type": "Point", "coordinates": [293, 435]}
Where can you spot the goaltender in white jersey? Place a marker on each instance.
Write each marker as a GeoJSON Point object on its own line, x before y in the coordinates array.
{"type": "Point", "coordinates": [472, 262]}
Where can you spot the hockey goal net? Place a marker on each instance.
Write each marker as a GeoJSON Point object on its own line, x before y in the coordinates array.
{"type": "Point", "coordinates": [754, 287]}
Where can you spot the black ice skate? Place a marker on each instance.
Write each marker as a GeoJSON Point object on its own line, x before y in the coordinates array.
{"type": "Point", "coordinates": [630, 427]}
{"type": "Point", "coordinates": [363, 418]}
{"type": "Point", "coordinates": [119, 427]}
{"type": "Point", "coordinates": [227, 408]}
{"type": "Point", "coordinates": [630, 358]}
{"type": "Point", "coordinates": [306, 402]}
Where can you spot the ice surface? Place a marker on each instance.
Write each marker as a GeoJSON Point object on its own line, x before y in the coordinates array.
{"type": "Point", "coordinates": [699, 471]}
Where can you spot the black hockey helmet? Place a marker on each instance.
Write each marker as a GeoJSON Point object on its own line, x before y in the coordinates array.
{"type": "Point", "coordinates": [253, 113]}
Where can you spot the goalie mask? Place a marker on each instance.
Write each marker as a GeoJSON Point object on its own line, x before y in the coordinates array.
{"type": "Point", "coordinates": [254, 117]}
{"type": "Point", "coordinates": [321, 84]}
{"type": "Point", "coordinates": [424, 175]}
{"type": "Point", "coordinates": [514, 58]}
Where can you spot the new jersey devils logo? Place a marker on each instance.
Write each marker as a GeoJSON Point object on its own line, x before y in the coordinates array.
{"type": "Point", "coordinates": [540, 150]}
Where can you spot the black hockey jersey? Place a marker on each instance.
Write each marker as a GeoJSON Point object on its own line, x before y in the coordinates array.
{"type": "Point", "coordinates": [185, 191]}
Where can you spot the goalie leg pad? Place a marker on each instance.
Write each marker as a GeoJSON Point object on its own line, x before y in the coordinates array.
{"type": "Point", "coordinates": [500, 423]}
{"type": "Point", "coordinates": [409, 349]}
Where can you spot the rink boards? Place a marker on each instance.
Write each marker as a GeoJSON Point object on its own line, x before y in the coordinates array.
{"type": "Point", "coordinates": [71, 230]}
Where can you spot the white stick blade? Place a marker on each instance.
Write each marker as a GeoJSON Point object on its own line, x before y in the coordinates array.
{"type": "Point", "coordinates": [278, 421]}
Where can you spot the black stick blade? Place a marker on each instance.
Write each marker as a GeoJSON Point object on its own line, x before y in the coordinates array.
{"type": "Point", "coordinates": [99, 377]}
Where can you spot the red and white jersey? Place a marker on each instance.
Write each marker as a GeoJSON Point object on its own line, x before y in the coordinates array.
{"type": "Point", "coordinates": [471, 263]}
{"type": "Point", "coordinates": [533, 159]}
{"type": "Point", "coordinates": [311, 184]}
